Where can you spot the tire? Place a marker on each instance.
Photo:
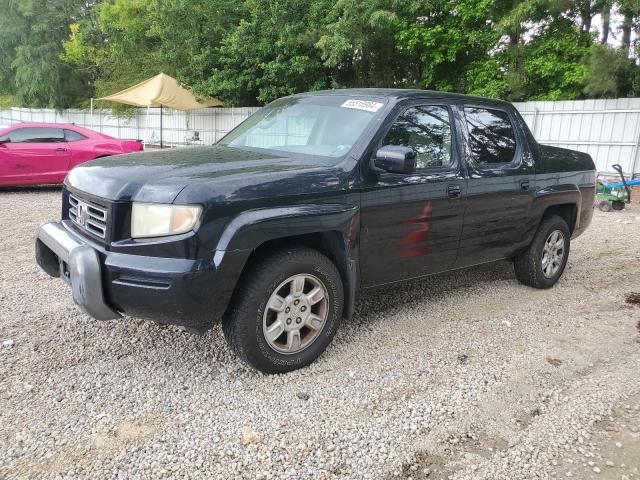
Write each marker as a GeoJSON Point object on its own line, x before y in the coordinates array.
{"type": "Point", "coordinates": [605, 206]}
{"type": "Point", "coordinates": [618, 205]}
{"type": "Point", "coordinates": [288, 276]}
{"type": "Point", "coordinates": [530, 266]}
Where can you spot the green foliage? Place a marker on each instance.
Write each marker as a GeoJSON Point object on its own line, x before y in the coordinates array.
{"type": "Point", "coordinates": [454, 37]}
{"type": "Point", "coordinates": [358, 45]}
{"type": "Point", "coordinates": [6, 101]}
{"type": "Point", "coordinates": [608, 73]}
{"type": "Point", "coordinates": [553, 63]}
{"type": "Point", "coordinates": [60, 53]}
{"type": "Point", "coordinates": [270, 53]}
{"type": "Point", "coordinates": [31, 36]}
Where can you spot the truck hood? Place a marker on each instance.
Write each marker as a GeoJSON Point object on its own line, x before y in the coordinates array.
{"type": "Point", "coordinates": [161, 175]}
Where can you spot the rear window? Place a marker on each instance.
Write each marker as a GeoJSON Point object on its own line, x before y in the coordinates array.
{"type": "Point", "coordinates": [71, 136]}
{"type": "Point", "coordinates": [492, 139]}
{"type": "Point", "coordinates": [36, 135]}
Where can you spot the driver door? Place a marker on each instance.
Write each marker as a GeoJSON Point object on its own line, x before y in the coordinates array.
{"type": "Point", "coordinates": [411, 224]}
{"type": "Point", "coordinates": [35, 155]}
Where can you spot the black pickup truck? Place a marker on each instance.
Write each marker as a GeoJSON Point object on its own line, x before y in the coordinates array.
{"type": "Point", "coordinates": [274, 229]}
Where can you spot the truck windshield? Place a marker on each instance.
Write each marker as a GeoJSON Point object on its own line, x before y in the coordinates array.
{"type": "Point", "coordinates": [323, 125]}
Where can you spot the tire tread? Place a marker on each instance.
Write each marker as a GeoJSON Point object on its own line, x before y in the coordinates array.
{"type": "Point", "coordinates": [250, 291]}
{"type": "Point", "coordinates": [526, 265]}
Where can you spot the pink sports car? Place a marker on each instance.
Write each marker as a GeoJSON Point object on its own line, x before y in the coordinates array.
{"type": "Point", "coordinates": [43, 153]}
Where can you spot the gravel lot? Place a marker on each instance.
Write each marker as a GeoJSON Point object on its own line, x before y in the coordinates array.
{"type": "Point", "coordinates": [467, 375]}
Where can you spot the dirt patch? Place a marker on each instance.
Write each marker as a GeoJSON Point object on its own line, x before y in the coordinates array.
{"type": "Point", "coordinates": [429, 466]}
{"type": "Point", "coordinates": [110, 440]}
{"type": "Point", "coordinates": [612, 451]}
{"type": "Point", "coordinates": [556, 362]}
{"type": "Point", "coordinates": [126, 434]}
{"type": "Point", "coordinates": [633, 298]}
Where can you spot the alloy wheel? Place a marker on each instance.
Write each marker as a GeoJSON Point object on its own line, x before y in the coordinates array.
{"type": "Point", "coordinates": [295, 314]}
{"type": "Point", "coordinates": [553, 253]}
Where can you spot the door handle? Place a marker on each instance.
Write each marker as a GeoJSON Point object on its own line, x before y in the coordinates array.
{"type": "Point", "coordinates": [524, 184]}
{"type": "Point", "coordinates": [61, 149]}
{"type": "Point", "coordinates": [454, 191]}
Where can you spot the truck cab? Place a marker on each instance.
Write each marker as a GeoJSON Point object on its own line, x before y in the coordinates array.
{"type": "Point", "coordinates": [275, 229]}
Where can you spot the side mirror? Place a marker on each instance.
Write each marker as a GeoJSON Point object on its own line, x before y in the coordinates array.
{"type": "Point", "coordinates": [396, 159]}
{"type": "Point", "coordinates": [4, 140]}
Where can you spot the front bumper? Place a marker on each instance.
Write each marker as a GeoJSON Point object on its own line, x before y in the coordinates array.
{"type": "Point", "coordinates": [61, 255]}
{"type": "Point", "coordinates": [106, 284]}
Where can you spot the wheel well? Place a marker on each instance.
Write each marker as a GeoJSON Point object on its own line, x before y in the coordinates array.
{"type": "Point", "coordinates": [331, 244]}
{"type": "Point", "coordinates": [568, 211]}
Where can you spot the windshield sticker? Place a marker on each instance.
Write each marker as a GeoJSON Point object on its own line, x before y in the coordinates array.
{"type": "Point", "coordinates": [367, 105]}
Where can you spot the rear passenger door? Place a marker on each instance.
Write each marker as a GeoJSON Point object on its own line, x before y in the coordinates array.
{"type": "Point", "coordinates": [500, 185]}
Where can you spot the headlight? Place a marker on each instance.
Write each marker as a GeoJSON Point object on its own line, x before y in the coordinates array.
{"type": "Point", "coordinates": [157, 220]}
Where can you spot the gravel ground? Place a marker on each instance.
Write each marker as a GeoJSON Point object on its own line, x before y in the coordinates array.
{"type": "Point", "coordinates": [467, 375]}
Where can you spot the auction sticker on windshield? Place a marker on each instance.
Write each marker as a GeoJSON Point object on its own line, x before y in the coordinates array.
{"type": "Point", "coordinates": [367, 105]}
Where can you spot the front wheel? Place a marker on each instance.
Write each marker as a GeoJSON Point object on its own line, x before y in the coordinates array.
{"type": "Point", "coordinates": [543, 263]}
{"type": "Point", "coordinates": [286, 311]}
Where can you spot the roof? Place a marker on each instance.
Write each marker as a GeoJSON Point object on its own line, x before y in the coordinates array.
{"type": "Point", "coordinates": [401, 93]}
{"type": "Point", "coordinates": [44, 125]}
{"type": "Point", "coordinates": [68, 126]}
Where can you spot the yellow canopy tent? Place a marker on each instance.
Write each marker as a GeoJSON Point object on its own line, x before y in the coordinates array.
{"type": "Point", "coordinates": [161, 91]}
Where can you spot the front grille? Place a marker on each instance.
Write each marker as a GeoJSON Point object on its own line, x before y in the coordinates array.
{"type": "Point", "coordinates": [88, 216]}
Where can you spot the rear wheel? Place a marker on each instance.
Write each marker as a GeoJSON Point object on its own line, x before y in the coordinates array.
{"type": "Point", "coordinates": [286, 311]}
{"type": "Point", "coordinates": [618, 205]}
{"type": "Point", "coordinates": [543, 263]}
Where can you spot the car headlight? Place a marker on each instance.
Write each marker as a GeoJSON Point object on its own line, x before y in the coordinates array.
{"type": "Point", "coordinates": [157, 220]}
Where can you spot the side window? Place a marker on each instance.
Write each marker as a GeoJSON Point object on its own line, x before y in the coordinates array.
{"type": "Point", "coordinates": [71, 136]}
{"type": "Point", "coordinates": [37, 135]}
{"type": "Point", "coordinates": [491, 136]}
{"type": "Point", "coordinates": [426, 129]}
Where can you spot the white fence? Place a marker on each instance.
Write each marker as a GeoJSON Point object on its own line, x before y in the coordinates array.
{"type": "Point", "coordinates": [196, 127]}
{"type": "Point", "coordinates": [609, 130]}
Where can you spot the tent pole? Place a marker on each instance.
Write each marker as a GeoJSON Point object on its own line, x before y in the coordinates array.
{"type": "Point", "coordinates": [161, 146]}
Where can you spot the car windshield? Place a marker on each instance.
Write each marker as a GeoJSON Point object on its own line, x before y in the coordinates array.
{"type": "Point", "coordinates": [323, 125]}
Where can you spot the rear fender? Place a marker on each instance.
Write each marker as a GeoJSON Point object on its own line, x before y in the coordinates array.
{"type": "Point", "coordinates": [107, 149]}
{"type": "Point", "coordinates": [550, 196]}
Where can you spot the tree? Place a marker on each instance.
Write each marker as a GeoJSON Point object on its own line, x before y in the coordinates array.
{"type": "Point", "coordinates": [127, 41]}
{"type": "Point", "coordinates": [248, 52]}
{"type": "Point", "coordinates": [271, 53]}
{"type": "Point", "coordinates": [446, 39]}
{"type": "Point", "coordinates": [359, 45]}
{"type": "Point", "coordinates": [605, 12]}
{"type": "Point", "coordinates": [608, 72]}
{"type": "Point", "coordinates": [31, 36]}
{"type": "Point", "coordinates": [554, 62]}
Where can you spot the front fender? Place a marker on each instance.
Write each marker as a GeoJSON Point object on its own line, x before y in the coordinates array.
{"type": "Point", "coordinates": [252, 228]}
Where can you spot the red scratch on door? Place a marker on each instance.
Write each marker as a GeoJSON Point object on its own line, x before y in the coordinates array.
{"type": "Point", "coordinates": [412, 240]}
